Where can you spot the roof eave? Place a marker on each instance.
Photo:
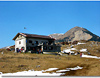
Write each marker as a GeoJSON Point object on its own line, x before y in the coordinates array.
{"type": "Point", "coordinates": [32, 37]}
{"type": "Point", "coordinates": [15, 36]}
{"type": "Point", "coordinates": [41, 38]}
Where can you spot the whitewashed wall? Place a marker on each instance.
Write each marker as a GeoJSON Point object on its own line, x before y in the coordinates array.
{"type": "Point", "coordinates": [23, 42]}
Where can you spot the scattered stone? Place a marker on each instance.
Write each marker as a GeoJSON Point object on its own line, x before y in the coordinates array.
{"type": "Point", "coordinates": [37, 66]}
{"type": "Point", "coordinates": [2, 53]}
{"type": "Point", "coordinates": [0, 72]}
{"type": "Point", "coordinates": [92, 43]}
{"type": "Point", "coordinates": [32, 70]}
{"type": "Point", "coordinates": [2, 66]}
{"type": "Point", "coordinates": [96, 50]}
{"type": "Point", "coordinates": [56, 57]}
{"type": "Point", "coordinates": [89, 53]}
{"type": "Point", "coordinates": [68, 58]}
{"type": "Point", "coordinates": [71, 46]}
{"type": "Point", "coordinates": [60, 54]}
{"type": "Point", "coordinates": [86, 59]}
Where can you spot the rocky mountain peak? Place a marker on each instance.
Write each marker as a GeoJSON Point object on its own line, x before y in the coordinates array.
{"type": "Point", "coordinates": [77, 33]}
{"type": "Point", "coordinates": [56, 35]}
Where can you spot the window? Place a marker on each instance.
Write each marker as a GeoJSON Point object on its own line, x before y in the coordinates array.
{"type": "Point", "coordinates": [28, 48]}
{"type": "Point", "coordinates": [50, 42]}
{"type": "Point", "coordinates": [19, 42]}
{"type": "Point", "coordinates": [30, 41]}
{"type": "Point", "coordinates": [36, 42]}
{"type": "Point", "coordinates": [45, 43]}
{"type": "Point", "coordinates": [41, 41]}
{"type": "Point", "coordinates": [58, 48]}
{"type": "Point", "coordinates": [50, 48]}
{"type": "Point", "coordinates": [31, 48]}
{"type": "Point", "coordinates": [45, 48]}
{"type": "Point", "coordinates": [19, 35]}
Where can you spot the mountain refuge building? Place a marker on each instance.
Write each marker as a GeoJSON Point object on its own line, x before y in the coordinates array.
{"type": "Point", "coordinates": [32, 43]}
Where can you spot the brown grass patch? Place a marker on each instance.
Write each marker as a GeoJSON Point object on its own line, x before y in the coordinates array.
{"type": "Point", "coordinates": [12, 62]}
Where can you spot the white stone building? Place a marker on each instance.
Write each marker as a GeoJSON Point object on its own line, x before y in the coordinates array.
{"type": "Point", "coordinates": [32, 43]}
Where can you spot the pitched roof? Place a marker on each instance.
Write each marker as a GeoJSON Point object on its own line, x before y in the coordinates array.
{"type": "Point", "coordinates": [34, 36]}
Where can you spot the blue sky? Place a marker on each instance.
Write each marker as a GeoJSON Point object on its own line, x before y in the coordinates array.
{"type": "Point", "coordinates": [46, 17]}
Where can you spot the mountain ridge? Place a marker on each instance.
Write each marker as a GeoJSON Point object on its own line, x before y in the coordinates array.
{"type": "Point", "coordinates": [77, 33]}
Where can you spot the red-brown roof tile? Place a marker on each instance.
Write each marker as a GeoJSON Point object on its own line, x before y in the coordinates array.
{"type": "Point", "coordinates": [34, 36]}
